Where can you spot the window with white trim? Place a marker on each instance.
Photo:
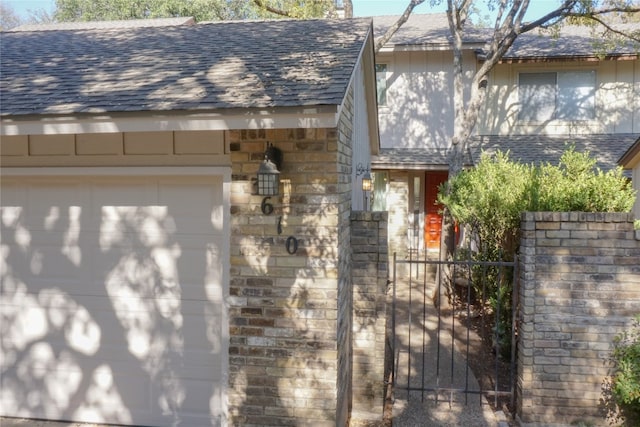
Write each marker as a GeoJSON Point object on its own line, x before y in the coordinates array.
{"type": "Point", "coordinates": [561, 95]}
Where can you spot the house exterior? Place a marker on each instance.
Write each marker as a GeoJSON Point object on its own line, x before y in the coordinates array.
{"type": "Point", "coordinates": [631, 160]}
{"type": "Point", "coordinates": [144, 280]}
{"type": "Point", "coordinates": [546, 92]}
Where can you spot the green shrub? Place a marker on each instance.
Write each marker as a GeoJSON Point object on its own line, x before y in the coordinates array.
{"type": "Point", "coordinates": [625, 383]}
{"type": "Point", "coordinates": [577, 185]}
{"type": "Point", "coordinates": [490, 197]}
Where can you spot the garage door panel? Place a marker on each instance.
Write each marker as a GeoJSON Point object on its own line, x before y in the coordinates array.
{"type": "Point", "coordinates": [177, 195]}
{"type": "Point", "coordinates": [116, 282]}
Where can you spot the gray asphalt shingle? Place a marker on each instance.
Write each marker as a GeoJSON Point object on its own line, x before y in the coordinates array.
{"type": "Point", "coordinates": [536, 149]}
{"type": "Point", "coordinates": [221, 65]}
{"type": "Point", "coordinates": [539, 149]}
{"type": "Point", "coordinates": [565, 41]}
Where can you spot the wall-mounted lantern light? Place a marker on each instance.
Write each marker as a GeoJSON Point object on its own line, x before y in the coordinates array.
{"type": "Point", "coordinates": [367, 183]}
{"type": "Point", "coordinates": [366, 176]}
{"type": "Point", "coordinates": [269, 172]}
{"type": "Point", "coordinates": [269, 177]}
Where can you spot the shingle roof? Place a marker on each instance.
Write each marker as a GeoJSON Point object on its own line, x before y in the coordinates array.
{"type": "Point", "coordinates": [414, 158]}
{"type": "Point", "coordinates": [222, 65]}
{"type": "Point", "coordinates": [87, 25]}
{"type": "Point", "coordinates": [571, 41]}
{"type": "Point", "coordinates": [538, 149]}
{"type": "Point", "coordinates": [630, 154]}
{"type": "Point", "coordinates": [425, 29]}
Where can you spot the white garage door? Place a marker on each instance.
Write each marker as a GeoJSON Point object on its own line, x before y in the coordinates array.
{"type": "Point", "coordinates": [111, 302]}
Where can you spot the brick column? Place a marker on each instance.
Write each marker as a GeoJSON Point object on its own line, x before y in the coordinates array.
{"type": "Point", "coordinates": [579, 287]}
{"type": "Point", "coordinates": [283, 307]}
{"type": "Point", "coordinates": [370, 274]}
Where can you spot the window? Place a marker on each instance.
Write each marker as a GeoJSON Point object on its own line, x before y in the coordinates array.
{"type": "Point", "coordinates": [381, 83]}
{"type": "Point", "coordinates": [379, 193]}
{"type": "Point", "coordinates": [564, 95]}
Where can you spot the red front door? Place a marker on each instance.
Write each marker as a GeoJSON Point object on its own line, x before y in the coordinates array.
{"type": "Point", "coordinates": [433, 218]}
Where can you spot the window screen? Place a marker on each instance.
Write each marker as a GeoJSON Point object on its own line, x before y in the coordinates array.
{"type": "Point", "coordinates": [565, 95]}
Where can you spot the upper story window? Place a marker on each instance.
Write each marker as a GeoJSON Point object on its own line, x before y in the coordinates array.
{"type": "Point", "coordinates": [381, 83]}
{"type": "Point", "coordinates": [562, 95]}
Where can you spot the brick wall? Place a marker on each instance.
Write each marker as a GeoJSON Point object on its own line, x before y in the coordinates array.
{"type": "Point", "coordinates": [283, 307]}
{"type": "Point", "coordinates": [579, 287]}
{"type": "Point", "coordinates": [345, 285]}
{"type": "Point", "coordinates": [397, 203]}
{"type": "Point", "coordinates": [370, 274]}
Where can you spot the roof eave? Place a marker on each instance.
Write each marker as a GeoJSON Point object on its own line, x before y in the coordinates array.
{"type": "Point", "coordinates": [321, 116]}
{"type": "Point", "coordinates": [632, 157]}
{"type": "Point", "coordinates": [567, 58]}
{"type": "Point", "coordinates": [426, 47]}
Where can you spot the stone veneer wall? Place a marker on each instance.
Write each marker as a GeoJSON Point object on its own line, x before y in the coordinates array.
{"type": "Point", "coordinates": [370, 274]}
{"type": "Point", "coordinates": [579, 287]}
{"type": "Point", "coordinates": [290, 314]}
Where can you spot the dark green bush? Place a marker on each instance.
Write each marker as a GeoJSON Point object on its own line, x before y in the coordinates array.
{"type": "Point", "coordinates": [625, 383]}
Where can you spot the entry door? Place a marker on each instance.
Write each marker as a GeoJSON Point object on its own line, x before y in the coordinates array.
{"type": "Point", "coordinates": [433, 218]}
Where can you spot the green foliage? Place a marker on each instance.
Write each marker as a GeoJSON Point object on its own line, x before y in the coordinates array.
{"type": "Point", "coordinates": [490, 198]}
{"type": "Point", "coordinates": [200, 10]}
{"type": "Point", "coordinates": [625, 386]}
{"type": "Point", "coordinates": [577, 185]}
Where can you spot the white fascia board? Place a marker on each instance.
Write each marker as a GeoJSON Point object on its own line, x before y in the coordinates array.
{"type": "Point", "coordinates": [427, 47]}
{"type": "Point", "coordinates": [302, 117]}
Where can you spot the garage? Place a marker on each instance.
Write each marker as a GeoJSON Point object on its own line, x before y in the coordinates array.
{"type": "Point", "coordinates": [112, 288]}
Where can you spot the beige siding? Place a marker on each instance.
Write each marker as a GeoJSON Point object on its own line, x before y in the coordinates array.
{"type": "Point", "coordinates": [636, 97]}
{"type": "Point", "coordinates": [180, 148]}
{"type": "Point", "coordinates": [14, 146]}
{"type": "Point", "coordinates": [419, 111]}
{"type": "Point", "coordinates": [617, 105]}
{"type": "Point", "coordinates": [51, 145]}
{"type": "Point", "coordinates": [98, 144]}
{"type": "Point", "coordinates": [361, 151]}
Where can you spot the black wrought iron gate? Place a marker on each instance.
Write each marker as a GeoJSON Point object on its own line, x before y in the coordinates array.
{"type": "Point", "coordinates": [454, 335]}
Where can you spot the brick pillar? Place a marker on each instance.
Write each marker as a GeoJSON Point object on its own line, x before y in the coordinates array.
{"type": "Point", "coordinates": [370, 274]}
{"type": "Point", "coordinates": [283, 307]}
{"type": "Point", "coordinates": [579, 287]}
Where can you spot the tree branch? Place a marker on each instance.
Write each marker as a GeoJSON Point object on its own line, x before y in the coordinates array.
{"type": "Point", "coordinates": [261, 4]}
{"type": "Point", "coordinates": [348, 9]}
{"type": "Point", "coordinates": [629, 36]}
{"type": "Point", "coordinates": [396, 26]}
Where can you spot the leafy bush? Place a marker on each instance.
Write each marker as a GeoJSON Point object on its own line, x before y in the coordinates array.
{"type": "Point", "coordinates": [490, 198]}
{"type": "Point", "coordinates": [577, 185]}
{"type": "Point", "coordinates": [625, 384]}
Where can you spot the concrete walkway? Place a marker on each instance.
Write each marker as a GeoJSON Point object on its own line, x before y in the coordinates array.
{"type": "Point", "coordinates": [419, 346]}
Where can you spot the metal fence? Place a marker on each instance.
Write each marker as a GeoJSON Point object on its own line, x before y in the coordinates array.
{"type": "Point", "coordinates": [454, 329]}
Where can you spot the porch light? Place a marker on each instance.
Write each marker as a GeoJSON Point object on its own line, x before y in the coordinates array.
{"type": "Point", "coordinates": [268, 178]}
{"type": "Point", "coordinates": [269, 172]}
{"type": "Point", "coordinates": [366, 182]}
{"type": "Point", "coordinates": [366, 176]}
